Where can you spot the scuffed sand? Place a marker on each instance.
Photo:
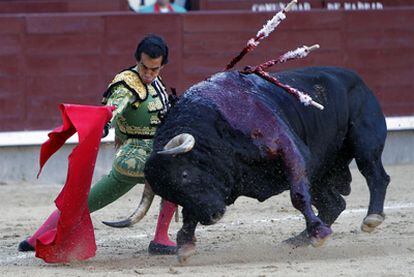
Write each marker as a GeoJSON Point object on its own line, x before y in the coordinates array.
{"type": "Point", "coordinates": [246, 242]}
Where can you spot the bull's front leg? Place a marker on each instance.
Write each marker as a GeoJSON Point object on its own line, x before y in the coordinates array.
{"type": "Point", "coordinates": [316, 230]}
{"type": "Point", "coordinates": [186, 239]}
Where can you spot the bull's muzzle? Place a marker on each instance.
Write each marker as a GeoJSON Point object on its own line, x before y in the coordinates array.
{"type": "Point", "coordinates": [213, 218]}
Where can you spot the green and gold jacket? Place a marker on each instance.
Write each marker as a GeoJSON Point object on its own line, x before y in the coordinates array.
{"type": "Point", "coordinates": [139, 107]}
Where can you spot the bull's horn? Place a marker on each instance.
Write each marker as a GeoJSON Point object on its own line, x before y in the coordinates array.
{"type": "Point", "coordinates": [179, 144]}
{"type": "Point", "coordinates": [140, 212]}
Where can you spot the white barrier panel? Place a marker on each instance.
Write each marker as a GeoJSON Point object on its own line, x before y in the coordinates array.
{"type": "Point", "coordinates": [25, 138]}
{"type": "Point", "coordinates": [400, 123]}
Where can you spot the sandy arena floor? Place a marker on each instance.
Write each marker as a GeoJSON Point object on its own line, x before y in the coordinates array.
{"type": "Point", "coordinates": [246, 242]}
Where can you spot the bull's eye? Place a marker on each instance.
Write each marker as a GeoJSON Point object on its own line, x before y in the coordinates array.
{"type": "Point", "coordinates": [185, 175]}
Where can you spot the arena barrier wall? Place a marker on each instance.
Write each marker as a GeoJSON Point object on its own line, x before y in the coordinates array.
{"type": "Point", "coordinates": [47, 59]}
{"type": "Point", "coordinates": [64, 6]}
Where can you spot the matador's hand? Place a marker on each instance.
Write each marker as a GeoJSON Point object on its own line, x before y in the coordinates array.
{"type": "Point", "coordinates": [173, 98]}
{"type": "Point", "coordinates": [105, 131]}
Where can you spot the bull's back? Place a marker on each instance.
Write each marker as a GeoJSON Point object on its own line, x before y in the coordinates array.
{"type": "Point", "coordinates": [342, 93]}
{"type": "Point", "coordinates": [251, 104]}
{"type": "Point", "coordinates": [328, 86]}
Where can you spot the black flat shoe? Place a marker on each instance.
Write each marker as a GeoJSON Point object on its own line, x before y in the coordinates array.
{"type": "Point", "coordinates": [24, 246]}
{"type": "Point", "coordinates": [160, 249]}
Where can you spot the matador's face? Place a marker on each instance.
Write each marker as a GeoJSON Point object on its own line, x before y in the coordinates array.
{"type": "Point", "coordinates": [149, 68]}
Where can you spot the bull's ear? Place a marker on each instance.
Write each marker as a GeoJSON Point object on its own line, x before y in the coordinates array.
{"type": "Point", "coordinates": [179, 144]}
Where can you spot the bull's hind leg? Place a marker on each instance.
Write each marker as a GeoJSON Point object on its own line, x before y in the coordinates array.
{"type": "Point", "coordinates": [377, 180]}
{"type": "Point", "coordinates": [367, 134]}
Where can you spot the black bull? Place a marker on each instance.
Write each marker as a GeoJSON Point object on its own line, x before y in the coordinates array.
{"type": "Point", "coordinates": [254, 139]}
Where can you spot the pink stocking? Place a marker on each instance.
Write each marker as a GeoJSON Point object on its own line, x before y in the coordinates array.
{"type": "Point", "coordinates": [164, 219]}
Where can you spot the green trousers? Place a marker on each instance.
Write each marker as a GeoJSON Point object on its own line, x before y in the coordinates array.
{"type": "Point", "coordinates": [127, 171]}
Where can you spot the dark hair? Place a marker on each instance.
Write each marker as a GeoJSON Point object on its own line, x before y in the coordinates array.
{"type": "Point", "coordinates": [154, 46]}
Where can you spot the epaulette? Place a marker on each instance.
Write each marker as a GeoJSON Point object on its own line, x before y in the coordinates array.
{"type": "Point", "coordinates": [130, 79]}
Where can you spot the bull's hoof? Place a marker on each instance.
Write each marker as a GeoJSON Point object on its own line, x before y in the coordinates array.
{"type": "Point", "coordinates": [160, 249]}
{"type": "Point", "coordinates": [320, 234]}
{"type": "Point", "coordinates": [317, 242]}
{"type": "Point", "coordinates": [371, 222]}
{"type": "Point", "coordinates": [185, 252]}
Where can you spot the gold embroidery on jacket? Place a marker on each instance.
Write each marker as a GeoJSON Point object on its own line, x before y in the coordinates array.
{"type": "Point", "coordinates": [133, 130]}
{"type": "Point", "coordinates": [152, 91]}
{"type": "Point", "coordinates": [155, 120]}
{"type": "Point", "coordinates": [132, 80]}
{"type": "Point", "coordinates": [155, 105]}
{"type": "Point", "coordinates": [130, 158]}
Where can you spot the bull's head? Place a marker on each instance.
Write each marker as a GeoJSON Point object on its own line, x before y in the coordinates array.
{"type": "Point", "coordinates": [176, 173]}
{"type": "Point", "coordinates": [189, 166]}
